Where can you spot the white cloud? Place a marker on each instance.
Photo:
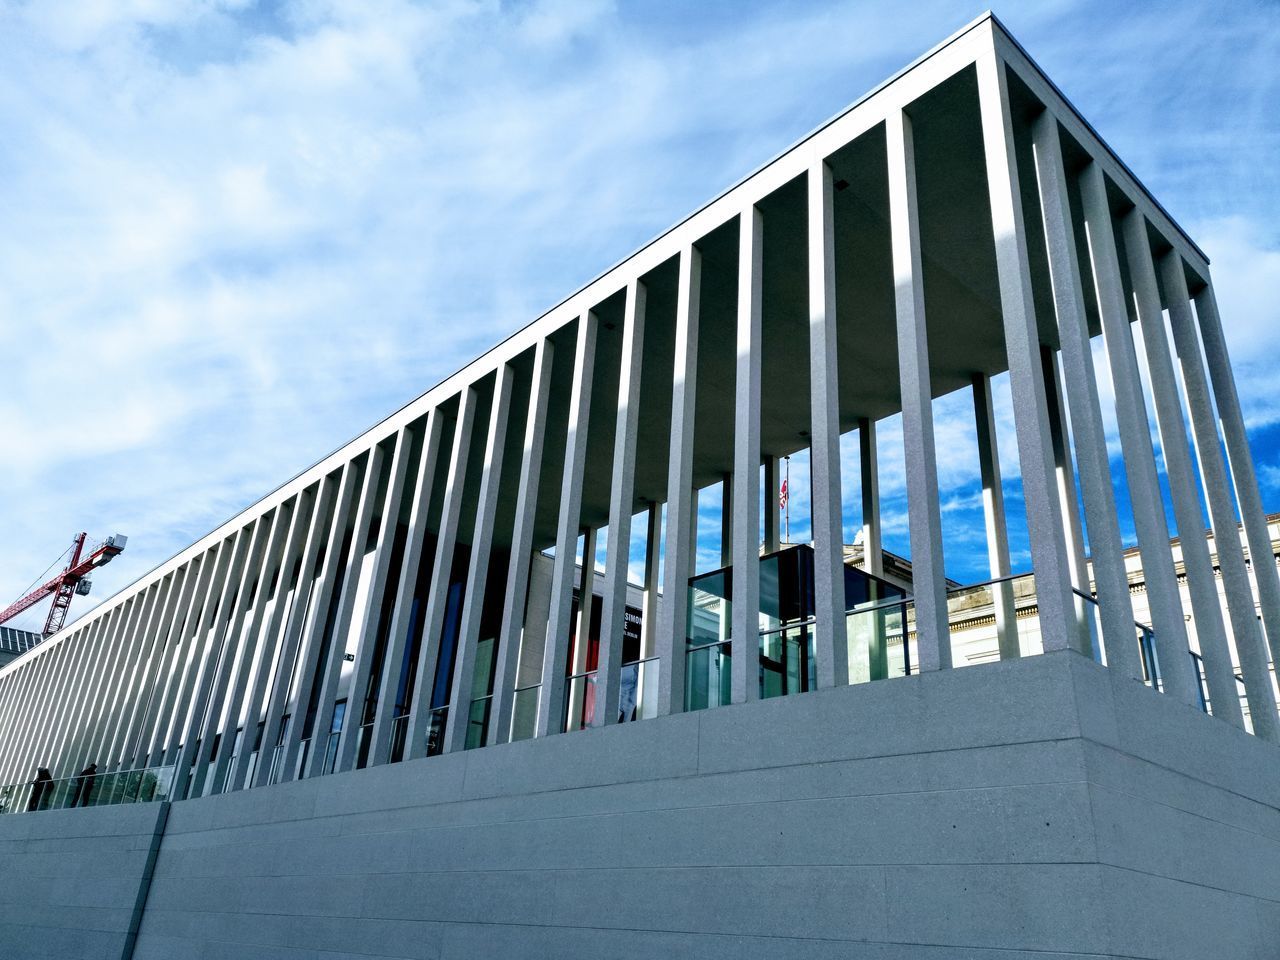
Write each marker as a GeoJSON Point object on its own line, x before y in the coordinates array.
{"type": "Point", "coordinates": [236, 236]}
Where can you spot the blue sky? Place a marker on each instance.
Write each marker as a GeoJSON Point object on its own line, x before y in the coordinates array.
{"type": "Point", "coordinates": [235, 234]}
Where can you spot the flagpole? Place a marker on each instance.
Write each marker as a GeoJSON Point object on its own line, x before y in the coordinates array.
{"type": "Point", "coordinates": [788, 506]}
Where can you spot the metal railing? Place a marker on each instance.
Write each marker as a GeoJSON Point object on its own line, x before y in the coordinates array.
{"type": "Point", "coordinates": [142, 785]}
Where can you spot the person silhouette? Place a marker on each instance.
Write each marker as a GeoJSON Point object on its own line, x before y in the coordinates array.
{"type": "Point", "coordinates": [40, 787]}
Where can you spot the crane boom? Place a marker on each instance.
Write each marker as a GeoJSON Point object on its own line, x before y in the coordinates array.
{"type": "Point", "coordinates": [67, 584]}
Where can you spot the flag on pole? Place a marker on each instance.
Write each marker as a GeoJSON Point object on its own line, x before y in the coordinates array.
{"type": "Point", "coordinates": [782, 496]}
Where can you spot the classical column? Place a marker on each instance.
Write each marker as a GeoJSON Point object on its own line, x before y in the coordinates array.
{"type": "Point", "coordinates": [419, 722]}
{"type": "Point", "coordinates": [1135, 441]}
{"type": "Point", "coordinates": [273, 723]}
{"type": "Point", "coordinates": [621, 500]}
{"type": "Point", "coordinates": [933, 637]}
{"type": "Point", "coordinates": [556, 651]}
{"type": "Point", "coordinates": [682, 505]}
{"type": "Point", "coordinates": [869, 468]}
{"type": "Point", "coordinates": [1217, 493]}
{"type": "Point", "coordinates": [367, 628]}
{"type": "Point", "coordinates": [745, 642]}
{"type": "Point", "coordinates": [1112, 582]}
{"type": "Point", "coordinates": [1202, 583]}
{"type": "Point", "coordinates": [993, 512]}
{"type": "Point", "coordinates": [459, 718]}
{"type": "Point", "coordinates": [1026, 378]}
{"type": "Point", "coordinates": [830, 641]}
{"type": "Point", "coordinates": [508, 657]}
{"type": "Point", "coordinates": [1240, 461]}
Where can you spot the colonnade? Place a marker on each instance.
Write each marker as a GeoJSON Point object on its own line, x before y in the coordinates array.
{"type": "Point", "coordinates": [396, 573]}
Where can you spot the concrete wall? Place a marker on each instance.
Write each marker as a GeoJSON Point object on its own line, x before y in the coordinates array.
{"type": "Point", "coordinates": [74, 880]}
{"type": "Point", "coordinates": [1038, 808]}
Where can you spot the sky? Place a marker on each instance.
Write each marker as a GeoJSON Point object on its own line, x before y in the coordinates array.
{"type": "Point", "coordinates": [234, 235]}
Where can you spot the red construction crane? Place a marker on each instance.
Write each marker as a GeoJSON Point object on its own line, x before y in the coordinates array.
{"type": "Point", "coordinates": [68, 583]}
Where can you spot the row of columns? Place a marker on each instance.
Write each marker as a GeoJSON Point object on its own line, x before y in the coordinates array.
{"type": "Point", "coordinates": [167, 675]}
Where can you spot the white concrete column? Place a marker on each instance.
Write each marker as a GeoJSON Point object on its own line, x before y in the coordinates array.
{"type": "Point", "coordinates": [171, 714]}
{"type": "Point", "coordinates": [159, 705]}
{"type": "Point", "coordinates": [367, 628]}
{"type": "Point", "coordinates": [1240, 461]}
{"type": "Point", "coordinates": [1060, 438]}
{"type": "Point", "coordinates": [314, 632]}
{"type": "Point", "coordinates": [329, 672]}
{"type": "Point", "coordinates": [621, 501]}
{"type": "Point", "coordinates": [869, 467]}
{"type": "Point", "coordinates": [1135, 441]}
{"type": "Point", "coordinates": [1217, 493]}
{"type": "Point", "coordinates": [652, 555]}
{"type": "Point", "coordinates": [1072, 529]}
{"type": "Point", "coordinates": [157, 674]}
{"type": "Point", "coordinates": [272, 645]}
{"type": "Point", "coordinates": [124, 679]}
{"type": "Point", "coordinates": [385, 710]}
{"type": "Point", "coordinates": [682, 504]}
{"type": "Point", "coordinates": [419, 722]}
{"type": "Point", "coordinates": [933, 637]}
{"type": "Point", "coordinates": [993, 513]}
{"type": "Point", "coordinates": [556, 651]}
{"type": "Point", "coordinates": [459, 719]}
{"type": "Point", "coordinates": [745, 642]}
{"type": "Point", "coordinates": [251, 650]}
{"type": "Point", "coordinates": [830, 638]}
{"type": "Point", "coordinates": [507, 665]}
{"type": "Point", "coordinates": [82, 639]}
{"type": "Point", "coordinates": [582, 627]}
{"type": "Point", "coordinates": [197, 663]}
{"type": "Point", "coordinates": [229, 589]}
{"type": "Point", "coordinates": [50, 703]}
{"type": "Point", "coordinates": [1115, 607]}
{"type": "Point", "coordinates": [1202, 585]}
{"type": "Point", "coordinates": [1026, 378]}
{"type": "Point", "coordinates": [118, 677]}
{"type": "Point", "coordinates": [278, 698]}
{"type": "Point", "coordinates": [236, 648]}
{"type": "Point", "coordinates": [772, 510]}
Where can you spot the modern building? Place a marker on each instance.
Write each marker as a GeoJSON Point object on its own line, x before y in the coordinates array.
{"type": "Point", "coordinates": [15, 642]}
{"type": "Point", "coordinates": [353, 700]}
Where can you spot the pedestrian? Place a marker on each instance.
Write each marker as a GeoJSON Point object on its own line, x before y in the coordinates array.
{"type": "Point", "coordinates": [39, 787]}
{"type": "Point", "coordinates": [85, 780]}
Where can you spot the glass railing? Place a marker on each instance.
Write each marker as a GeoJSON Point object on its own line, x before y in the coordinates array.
{"type": "Point", "coordinates": [638, 690]}
{"type": "Point", "coordinates": [436, 722]}
{"type": "Point", "coordinates": [708, 675]}
{"type": "Point", "coordinates": [579, 701]}
{"type": "Point", "coordinates": [524, 712]}
{"type": "Point", "coordinates": [95, 790]}
{"type": "Point", "coordinates": [997, 619]}
{"type": "Point", "coordinates": [880, 639]}
{"type": "Point", "coordinates": [399, 731]}
{"type": "Point", "coordinates": [478, 721]}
